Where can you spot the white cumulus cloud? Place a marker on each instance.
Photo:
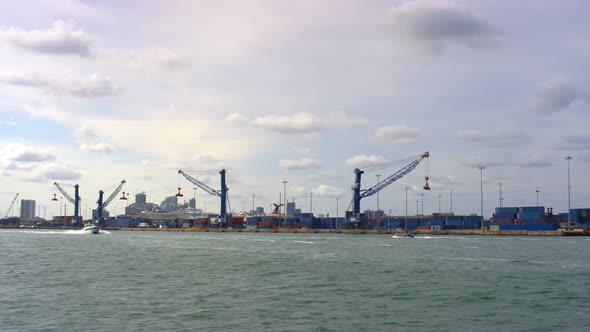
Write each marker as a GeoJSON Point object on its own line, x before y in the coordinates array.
{"type": "Point", "coordinates": [303, 163]}
{"type": "Point", "coordinates": [329, 191]}
{"type": "Point", "coordinates": [365, 160]}
{"type": "Point", "coordinates": [297, 123]}
{"type": "Point", "coordinates": [92, 86]}
{"type": "Point", "coordinates": [62, 38]}
{"type": "Point", "coordinates": [90, 141]}
{"type": "Point", "coordinates": [397, 134]}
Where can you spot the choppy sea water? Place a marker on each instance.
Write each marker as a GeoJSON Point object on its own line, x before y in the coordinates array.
{"type": "Point", "coordinates": [160, 281]}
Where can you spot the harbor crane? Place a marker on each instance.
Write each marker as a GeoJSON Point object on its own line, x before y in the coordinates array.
{"type": "Point", "coordinates": [222, 193]}
{"type": "Point", "coordinates": [11, 205]}
{"type": "Point", "coordinates": [75, 200]}
{"type": "Point", "coordinates": [100, 205]}
{"type": "Point", "coordinates": [359, 194]}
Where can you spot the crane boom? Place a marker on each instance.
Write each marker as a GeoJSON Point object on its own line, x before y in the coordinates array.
{"type": "Point", "coordinates": [11, 205]}
{"type": "Point", "coordinates": [200, 184]}
{"type": "Point", "coordinates": [114, 194]}
{"type": "Point", "coordinates": [222, 193]}
{"type": "Point", "coordinates": [394, 177]}
{"type": "Point", "coordinates": [358, 193]}
{"type": "Point", "coordinates": [65, 193]}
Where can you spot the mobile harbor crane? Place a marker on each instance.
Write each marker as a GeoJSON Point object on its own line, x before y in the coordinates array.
{"type": "Point", "coordinates": [75, 200]}
{"type": "Point", "coordinates": [354, 218]}
{"type": "Point", "coordinates": [101, 205]}
{"type": "Point", "coordinates": [222, 193]}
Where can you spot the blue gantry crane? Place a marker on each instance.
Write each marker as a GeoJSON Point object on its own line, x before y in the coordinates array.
{"type": "Point", "coordinates": [100, 205]}
{"type": "Point", "coordinates": [75, 200]}
{"type": "Point", "coordinates": [222, 193]}
{"type": "Point", "coordinates": [358, 193]}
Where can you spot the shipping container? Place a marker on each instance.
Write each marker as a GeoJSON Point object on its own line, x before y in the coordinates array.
{"type": "Point", "coordinates": [453, 223]}
{"type": "Point", "coordinates": [411, 224]}
{"type": "Point", "coordinates": [501, 222]}
{"type": "Point", "coordinates": [506, 210]}
{"type": "Point", "coordinates": [529, 215]}
{"type": "Point", "coordinates": [531, 209]}
{"type": "Point", "coordinates": [424, 227]}
{"type": "Point", "coordinates": [525, 227]}
{"type": "Point", "coordinates": [436, 227]}
{"type": "Point", "coordinates": [425, 222]}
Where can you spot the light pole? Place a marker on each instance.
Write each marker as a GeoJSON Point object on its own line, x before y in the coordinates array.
{"type": "Point", "coordinates": [195, 205]}
{"type": "Point", "coordinates": [60, 205]}
{"type": "Point", "coordinates": [285, 195]}
{"type": "Point", "coordinates": [311, 204]}
{"type": "Point", "coordinates": [451, 200]}
{"type": "Point", "coordinates": [500, 185]}
{"type": "Point", "coordinates": [253, 196]}
{"type": "Point", "coordinates": [406, 202]}
{"type": "Point", "coordinates": [422, 204]}
{"type": "Point", "coordinates": [481, 168]}
{"type": "Point", "coordinates": [537, 197]}
{"type": "Point", "coordinates": [438, 204]}
{"type": "Point", "coordinates": [568, 158]}
{"type": "Point", "coordinates": [416, 208]}
{"type": "Point", "coordinates": [337, 198]}
{"type": "Point", "coordinates": [378, 176]}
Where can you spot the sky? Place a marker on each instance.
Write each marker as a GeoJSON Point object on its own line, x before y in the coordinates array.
{"type": "Point", "coordinates": [94, 92]}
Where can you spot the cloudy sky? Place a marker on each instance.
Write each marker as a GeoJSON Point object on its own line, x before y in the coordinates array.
{"type": "Point", "coordinates": [302, 91]}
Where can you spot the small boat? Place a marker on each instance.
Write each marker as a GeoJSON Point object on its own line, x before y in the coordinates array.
{"type": "Point", "coordinates": [91, 228]}
{"type": "Point", "coordinates": [404, 235]}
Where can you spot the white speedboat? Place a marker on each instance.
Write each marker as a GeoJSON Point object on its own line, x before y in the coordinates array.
{"type": "Point", "coordinates": [91, 228]}
{"type": "Point", "coordinates": [404, 235]}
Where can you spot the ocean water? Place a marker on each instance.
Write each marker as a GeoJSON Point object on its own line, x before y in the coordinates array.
{"type": "Point", "coordinates": [162, 281]}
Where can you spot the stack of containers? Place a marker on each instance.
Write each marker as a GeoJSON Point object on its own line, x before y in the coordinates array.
{"type": "Point", "coordinates": [411, 223]}
{"type": "Point", "coordinates": [530, 214]}
{"type": "Point", "coordinates": [372, 223]}
{"type": "Point", "coordinates": [201, 222]}
{"type": "Point", "coordinates": [237, 222]}
{"type": "Point", "coordinates": [528, 227]}
{"type": "Point", "coordinates": [267, 222]}
{"type": "Point", "coordinates": [392, 223]}
{"type": "Point", "coordinates": [438, 221]}
{"type": "Point", "coordinates": [306, 221]}
{"type": "Point", "coordinates": [472, 222]}
{"type": "Point", "coordinates": [454, 222]}
{"type": "Point", "coordinates": [424, 222]}
{"type": "Point", "coordinates": [338, 222]}
{"type": "Point", "coordinates": [581, 216]}
{"type": "Point", "coordinates": [504, 215]}
{"type": "Point", "coordinates": [251, 222]}
{"type": "Point", "coordinates": [328, 223]}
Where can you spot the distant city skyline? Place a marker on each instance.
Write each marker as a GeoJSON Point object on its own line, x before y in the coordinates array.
{"type": "Point", "coordinates": [296, 91]}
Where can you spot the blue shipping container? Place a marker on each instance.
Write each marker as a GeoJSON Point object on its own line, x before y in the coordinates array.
{"type": "Point", "coordinates": [506, 210]}
{"type": "Point", "coordinates": [530, 209]}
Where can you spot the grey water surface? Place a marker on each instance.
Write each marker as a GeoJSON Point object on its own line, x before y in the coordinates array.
{"type": "Point", "coordinates": [65, 280]}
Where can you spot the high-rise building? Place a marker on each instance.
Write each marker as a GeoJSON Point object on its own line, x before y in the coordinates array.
{"type": "Point", "coordinates": [192, 203]}
{"type": "Point", "coordinates": [169, 203]}
{"type": "Point", "coordinates": [27, 210]}
{"type": "Point", "coordinates": [290, 208]}
{"type": "Point", "coordinates": [140, 198]}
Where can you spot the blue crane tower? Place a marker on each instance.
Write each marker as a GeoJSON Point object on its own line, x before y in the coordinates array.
{"type": "Point", "coordinates": [355, 219]}
{"type": "Point", "coordinates": [222, 193]}
{"type": "Point", "coordinates": [75, 200]}
{"type": "Point", "coordinates": [101, 205]}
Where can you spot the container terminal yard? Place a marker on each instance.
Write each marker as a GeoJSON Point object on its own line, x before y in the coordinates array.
{"type": "Point", "coordinates": [527, 220]}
